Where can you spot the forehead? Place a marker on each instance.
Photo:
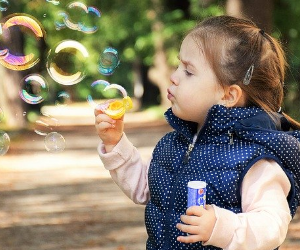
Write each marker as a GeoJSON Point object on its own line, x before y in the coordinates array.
{"type": "Point", "coordinates": [189, 47]}
{"type": "Point", "coordinates": [191, 50]}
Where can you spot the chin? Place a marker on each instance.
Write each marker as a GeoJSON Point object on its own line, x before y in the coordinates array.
{"type": "Point", "coordinates": [176, 113]}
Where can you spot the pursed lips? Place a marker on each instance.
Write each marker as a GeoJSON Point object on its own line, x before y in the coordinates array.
{"type": "Point", "coordinates": [170, 95]}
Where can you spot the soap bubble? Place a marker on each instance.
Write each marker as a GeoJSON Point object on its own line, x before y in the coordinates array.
{"type": "Point", "coordinates": [79, 17]}
{"type": "Point", "coordinates": [55, 2]}
{"type": "Point", "coordinates": [54, 142]}
{"type": "Point", "coordinates": [4, 5]}
{"type": "Point", "coordinates": [4, 142]}
{"type": "Point", "coordinates": [34, 89]}
{"type": "Point", "coordinates": [109, 61]}
{"type": "Point", "coordinates": [15, 60]}
{"type": "Point", "coordinates": [66, 63]}
{"type": "Point", "coordinates": [45, 124]}
{"type": "Point", "coordinates": [61, 19]}
{"type": "Point", "coordinates": [97, 92]}
{"type": "Point", "coordinates": [62, 99]}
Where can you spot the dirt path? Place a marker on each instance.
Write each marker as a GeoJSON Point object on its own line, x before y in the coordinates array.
{"type": "Point", "coordinates": [67, 201]}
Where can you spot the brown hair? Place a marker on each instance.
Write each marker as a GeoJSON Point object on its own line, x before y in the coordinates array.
{"type": "Point", "coordinates": [232, 45]}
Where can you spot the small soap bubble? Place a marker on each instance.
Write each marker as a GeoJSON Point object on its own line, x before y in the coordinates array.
{"type": "Point", "coordinates": [54, 142]}
{"type": "Point", "coordinates": [4, 4]}
{"type": "Point", "coordinates": [109, 61]}
{"type": "Point", "coordinates": [55, 2]}
{"type": "Point", "coordinates": [62, 99]}
{"type": "Point", "coordinates": [82, 18]}
{"type": "Point", "coordinates": [45, 124]}
{"type": "Point", "coordinates": [34, 89]}
{"type": "Point", "coordinates": [60, 22]}
{"type": "Point", "coordinates": [4, 142]}
{"type": "Point", "coordinates": [66, 62]}
{"type": "Point", "coordinates": [97, 92]}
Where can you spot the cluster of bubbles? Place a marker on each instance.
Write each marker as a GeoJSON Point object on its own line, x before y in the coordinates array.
{"type": "Point", "coordinates": [65, 65]}
{"type": "Point", "coordinates": [66, 21]}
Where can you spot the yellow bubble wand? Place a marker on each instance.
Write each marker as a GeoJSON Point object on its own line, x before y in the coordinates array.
{"type": "Point", "coordinates": [116, 108]}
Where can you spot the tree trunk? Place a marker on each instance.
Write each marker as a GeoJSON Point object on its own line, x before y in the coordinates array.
{"type": "Point", "coordinates": [10, 101]}
{"type": "Point", "coordinates": [10, 85]}
{"type": "Point", "coordinates": [160, 72]}
{"type": "Point", "coordinates": [259, 11]}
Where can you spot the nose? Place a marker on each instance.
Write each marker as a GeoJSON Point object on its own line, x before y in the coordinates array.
{"type": "Point", "coordinates": [174, 78]}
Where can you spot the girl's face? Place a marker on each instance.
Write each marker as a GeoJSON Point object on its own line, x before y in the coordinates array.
{"type": "Point", "coordinates": [194, 88]}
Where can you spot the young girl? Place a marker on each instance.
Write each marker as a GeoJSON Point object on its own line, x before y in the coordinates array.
{"type": "Point", "coordinates": [230, 132]}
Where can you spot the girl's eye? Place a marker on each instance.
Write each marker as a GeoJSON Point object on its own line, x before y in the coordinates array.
{"type": "Point", "coordinates": [187, 73]}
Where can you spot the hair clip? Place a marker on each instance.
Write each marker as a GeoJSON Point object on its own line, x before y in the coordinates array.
{"type": "Point", "coordinates": [248, 75]}
{"type": "Point", "coordinates": [261, 31]}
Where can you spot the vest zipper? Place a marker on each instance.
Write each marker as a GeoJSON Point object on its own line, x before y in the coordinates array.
{"type": "Point", "coordinates": [230, 134]}
{"type": "Point", "coordinates": [190, 149]}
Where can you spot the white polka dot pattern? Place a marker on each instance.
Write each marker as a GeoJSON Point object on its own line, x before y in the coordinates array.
{"type": "Point", "coordinates": [229, 143]}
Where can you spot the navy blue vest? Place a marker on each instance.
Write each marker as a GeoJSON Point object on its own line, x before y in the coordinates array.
{"type": "Point", "coordinates": [229, 143]}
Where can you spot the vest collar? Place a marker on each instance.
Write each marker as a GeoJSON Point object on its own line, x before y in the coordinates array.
{"type": "Point", "coordinates": [221, 120]}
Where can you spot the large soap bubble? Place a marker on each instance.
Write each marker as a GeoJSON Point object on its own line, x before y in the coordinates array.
{"type": "Point", "coordinates": [28, 25]}
{"type": "Point", "coordinates": [4, 142]}
{"type": "Point", "coordinates": [34, 89]}
{"type": "Point", "coordinates": [66, 62]}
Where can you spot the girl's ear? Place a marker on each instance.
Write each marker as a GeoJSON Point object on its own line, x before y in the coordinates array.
{"type": "Point", "coordinates": [233, 96]}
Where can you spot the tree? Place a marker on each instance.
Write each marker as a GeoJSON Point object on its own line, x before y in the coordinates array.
{"type": "Point", "coordinates": [259, 11]}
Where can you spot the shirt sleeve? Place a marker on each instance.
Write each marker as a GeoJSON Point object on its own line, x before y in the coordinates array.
{"type": "Point", "coordinates": [263, 224]}
{"type": "Point", "coordinates": [127, 169]}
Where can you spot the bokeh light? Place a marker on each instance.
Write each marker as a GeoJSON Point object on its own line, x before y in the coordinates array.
{"type": "Point", "coordinates": [1, 114]}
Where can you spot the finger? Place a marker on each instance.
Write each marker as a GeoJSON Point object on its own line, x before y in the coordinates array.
{"type": "Point", "coordinates": [195, 210]}
{"type": "Point", "coordinates": [190, 229]}
{"type": "Point", "coordinates": [105, 125]}
{"type": "Point", "coordinates": [190, 220]}
{"type": "Point", "coordinates": [98, 110]}
{"type": "Point", "coordinates": [104, 118]}
{"type": "Point", "coordinates": [189, 238]}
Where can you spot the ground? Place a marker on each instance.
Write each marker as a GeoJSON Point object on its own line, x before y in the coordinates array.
{"type": "Point", "coordinates": [67, 201]}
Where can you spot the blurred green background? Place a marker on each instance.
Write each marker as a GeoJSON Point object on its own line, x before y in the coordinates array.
{"type": "Point", "coordinates": [147, 35]}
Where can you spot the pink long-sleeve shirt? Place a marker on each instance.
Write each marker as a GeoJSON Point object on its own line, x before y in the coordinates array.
{"type": "Point", "coordinates": [262, 225]}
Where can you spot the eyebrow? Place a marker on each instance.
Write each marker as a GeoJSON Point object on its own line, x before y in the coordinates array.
{"type": "Point", "coordinates": [186, 62]}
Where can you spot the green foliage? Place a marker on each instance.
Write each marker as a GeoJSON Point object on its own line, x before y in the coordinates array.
{"type": "Point", "coordinates": [287, 28]}
{"type": "Point", "coordinates": [128, 27]}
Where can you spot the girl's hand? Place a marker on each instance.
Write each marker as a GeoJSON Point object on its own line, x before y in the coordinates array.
{"type": "Point", "coordinates": [109, 130]}
{"type": "Point", "coordinates": [198, 223]}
